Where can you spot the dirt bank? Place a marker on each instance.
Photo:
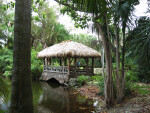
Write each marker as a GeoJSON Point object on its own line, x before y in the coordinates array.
{"type": "Point", "coordinates": [134, 103]}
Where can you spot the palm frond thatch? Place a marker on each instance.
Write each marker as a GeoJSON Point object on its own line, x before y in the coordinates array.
{"type": "Point", "coordinates": [68, 49]}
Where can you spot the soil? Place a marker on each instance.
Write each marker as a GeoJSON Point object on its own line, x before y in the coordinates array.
{"type": "Point", "coordinates": [134, 103]}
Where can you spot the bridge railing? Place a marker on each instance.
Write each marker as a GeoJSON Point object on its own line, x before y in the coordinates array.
{"type": "Point", "coordinates": [56, 69]}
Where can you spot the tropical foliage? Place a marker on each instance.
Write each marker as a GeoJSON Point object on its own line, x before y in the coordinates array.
{"type": "Point", "coordinates": [138, 47]}
{"type": "Point", "coordinates": [127, 52]}
{"type": "Point", "coordinates": [7, 63]}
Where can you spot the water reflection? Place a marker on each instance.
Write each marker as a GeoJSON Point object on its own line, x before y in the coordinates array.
{"type": "Point", "coordinates": [60, 99]}
{"type": "Point", "coordinates": [54, 98]}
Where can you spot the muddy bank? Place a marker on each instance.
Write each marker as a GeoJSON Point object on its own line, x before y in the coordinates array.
{"type": "Point", "coordinates": [134, 103]}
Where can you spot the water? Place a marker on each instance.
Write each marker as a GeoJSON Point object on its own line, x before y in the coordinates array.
{"type": "Point", "coordinates": [54, 98]}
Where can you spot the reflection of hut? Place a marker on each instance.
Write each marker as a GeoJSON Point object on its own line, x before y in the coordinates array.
{"type": "Point", "coordinates": [54, 100]}
{"type": "Point", "coordinates": [68, 53]}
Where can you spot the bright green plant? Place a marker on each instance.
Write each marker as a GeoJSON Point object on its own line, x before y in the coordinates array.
{"type": "Point", "coordinates": [131, 78]}
{"type": "Point", "coordinates": [6, 64]}
{"type": "Point", "coordinates": [99, 79]}
{"type": "Point", "coordinates": [3, 88]}
{"type": "Point", "coordinates": [81, 80]}
{"type": "Point", "coordinates": [36, 64]}
{"type": "Point", "coordinates": [6, 60]}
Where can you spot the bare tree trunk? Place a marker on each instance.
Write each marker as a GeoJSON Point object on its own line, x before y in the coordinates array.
{"type": "Point", "coordinates": [103, 62]}
{"type": "Point", "coordinates": [110, 78]}
{"type": "Point", "coordinates": [109, 98]}
{"type": "Point", "coordinates": [123, 57]}
{"type": "Point", "coordinates": [119, 88]}
{"type": "Point", "coordinates": [102, 56]}
{"type": "Point", "coordinates": [21, 96]}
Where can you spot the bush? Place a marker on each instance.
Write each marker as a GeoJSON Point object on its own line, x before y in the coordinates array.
{"type": "Point", "coordinates": [131, 78]}
{"type": "Point", "coordinates": [101, 85]}
{"type": "Point", "coordinates": [81, 80]}
{"type": "Point", "coordinates": [100, 82]}
{"type": "Point", "coordinates": [144, 73]}
{"type": "Point", "coordinates": [36, 64]}
{"type": "Point", "coordinates": [6, 60]}
{"type": "Point", "coordinates": [6, 64]}
{"type": "Point", "coordinates": [4, 88]}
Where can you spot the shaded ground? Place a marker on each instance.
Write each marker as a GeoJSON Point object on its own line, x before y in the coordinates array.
{"type": "Point", "coordinates": [134, 103]}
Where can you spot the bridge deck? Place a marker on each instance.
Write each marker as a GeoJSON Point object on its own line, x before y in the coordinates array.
{"type": "Point", "coordinates": [62, 78]}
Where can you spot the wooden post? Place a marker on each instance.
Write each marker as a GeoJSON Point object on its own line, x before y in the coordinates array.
{"type": "Point", "coordinates": [63, 64]}
{"type": "Point", "coordinates": [60, 63]}
{"type": "Point", "coordinates": [69, 65]}
{"type": "Point", "coordinates": [47, 61]}
{"type": "Point", "coordinates": [43, 63]}
{"type": "Point", "coordinates": [50, 61]}
{"type": "Point", "coordinates": [75, 66]}
{"type": "Point", "coordinates": [87, 64]}
{"type": "Point", "coordinates": [93, 66]}
{"type": "Point", "coordinates": [65, 61]}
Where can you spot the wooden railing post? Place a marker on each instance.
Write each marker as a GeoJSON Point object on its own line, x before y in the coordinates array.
{"type": "Point", "coordinates": [68, 65]}
{"type": "Point", "coordinates": [92, 66]}
{"type": "Point", "coordinates": [75, 66]}
{"type": "Point", "coordinates": [43, 63]}
{"type": "Point", "coordinates": [50, 61]}
{"type": "Point", "coordinates": [63, 65]}
{"type": "Point", "coordinates": [60, 63]}
{"type": "Point", "coordinates": [87, 64]}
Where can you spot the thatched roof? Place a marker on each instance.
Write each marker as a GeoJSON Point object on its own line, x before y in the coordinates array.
{"type": "Point", "coordinates": [68, 49]}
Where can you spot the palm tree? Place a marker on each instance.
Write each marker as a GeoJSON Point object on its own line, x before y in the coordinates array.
{"type": "Point", "coordinates": [123, 11]}
{"type": "Point", "coordinates": [21, 96]}
{"type": "Point", "coordinates": [138, 42]}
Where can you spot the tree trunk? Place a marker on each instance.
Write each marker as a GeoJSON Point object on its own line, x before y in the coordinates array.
{"type": "Point", "coordinates": [109, 98]}
{"type": "Point", "coordinates": [110, 78]}
{"type": "Point", "coordinates": [102, 56]}
{"type": "Point", "coordinates": [21, 96]}
{"type": "Point", "coordinates": [123, 57]}
{"type": "Point", "coordinates": [119, 88]}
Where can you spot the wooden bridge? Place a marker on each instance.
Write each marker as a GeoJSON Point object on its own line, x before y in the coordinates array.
{"type": "Point", "coordinates": [63, 74]}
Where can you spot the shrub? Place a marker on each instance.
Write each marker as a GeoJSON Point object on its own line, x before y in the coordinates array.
{"type": "Point", "coordinates": [143, 73]}
{"type": "Point", "coordinates": [36, 64]}
{"type": "Point", "coordinates": [131, 78]}
{"type": "Point", "coordinates": [100, 82]}
{"type": "Point", "coordinates": [81, 80]}
{"type": "Point", "coordinates": [3, 88]}
{"type": "Point", "coordinates": [101, 85]}
{"type": "Point", "coordinates": [6, 64]}
{"type": "Point", "coordinates": [6, 60]}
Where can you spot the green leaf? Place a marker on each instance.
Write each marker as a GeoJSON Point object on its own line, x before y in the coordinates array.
{"type": "Point", "coordinates": [37, 18]}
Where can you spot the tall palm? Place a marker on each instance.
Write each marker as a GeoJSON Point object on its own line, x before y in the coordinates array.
{"type": "Point", "coordinates": [21, 96]}
{"type": "Point", "coordinates": [138, 43]}
{"type": "Point", "coordinates": [123, 11]}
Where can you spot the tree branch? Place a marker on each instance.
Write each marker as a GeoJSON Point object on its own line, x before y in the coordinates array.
{"type": "Point", "coordinates": [71, 6]}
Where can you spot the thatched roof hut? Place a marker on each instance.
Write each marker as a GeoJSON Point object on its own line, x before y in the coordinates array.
{"type": "Point", "coordinates": [68, 49]}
